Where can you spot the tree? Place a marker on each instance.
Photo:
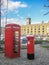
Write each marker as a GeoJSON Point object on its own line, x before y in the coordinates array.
{"type": "Point", "coordinates": [47, 6]}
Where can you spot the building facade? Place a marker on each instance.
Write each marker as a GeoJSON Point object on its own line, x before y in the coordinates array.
{"type": "Point", "coordinates": [41, 29]}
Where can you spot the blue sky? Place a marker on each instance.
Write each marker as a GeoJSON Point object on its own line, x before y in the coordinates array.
{"type": "Point", "coordinates": [19, 10]}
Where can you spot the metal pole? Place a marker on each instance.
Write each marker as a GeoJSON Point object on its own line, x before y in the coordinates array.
{"type": "Point", "coordinates": [6, 13]}
{"type": "Point", "coordinates": [0, 19]}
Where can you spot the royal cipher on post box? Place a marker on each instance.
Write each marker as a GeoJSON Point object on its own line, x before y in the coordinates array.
{"type": "Point", "coordinates": [12, 40]}
{"type": "Point", "coordinates": [30, 47]}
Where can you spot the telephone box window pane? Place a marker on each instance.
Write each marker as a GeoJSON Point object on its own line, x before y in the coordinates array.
{"type": "Point", "coordinates": [16, 40]}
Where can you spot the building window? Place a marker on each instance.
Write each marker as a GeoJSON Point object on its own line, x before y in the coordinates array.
{"type": "Point", "coordinates": [42, 28]}
{"type": "Point", "coordinates": [42, 31]}
{"type": "Point", "coordinates": [31, 28]}
{"type": "Point", "coordinates": [38, 28]}
{"type": "Point", "coordinates": [31, 32]}
{"type": "Point", "coordinates": [35, 31]}
{"type": "Point", "coordinates": [39, 31]}
{"type": "Point", "coordinates": [35, 28]}
{"type": "Point", "coordinates": [27, 30]}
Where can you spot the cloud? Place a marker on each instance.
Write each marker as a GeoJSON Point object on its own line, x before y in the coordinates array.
{"type": "Point", "coordinates": [22, 17]}
{"type": "Point", "coordinates": [14, 5]}
{"type": "Point", "coordinates": [11, 21]}
{"type": "Point", "coordinates": [18, 15]}
{"type": "Point", "coordinates": [35, 22]}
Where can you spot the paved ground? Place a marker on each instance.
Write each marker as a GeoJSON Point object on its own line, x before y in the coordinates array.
{"type": "Point", "coordinates": [41, 58]}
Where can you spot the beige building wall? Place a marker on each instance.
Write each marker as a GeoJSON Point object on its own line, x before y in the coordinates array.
{"type": "Point", "coordinates": [35, 29]}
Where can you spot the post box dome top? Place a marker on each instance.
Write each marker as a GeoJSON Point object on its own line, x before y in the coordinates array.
{"type": "Point", "coordinates": [12, 25]}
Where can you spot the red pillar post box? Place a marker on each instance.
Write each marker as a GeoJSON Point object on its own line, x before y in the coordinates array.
{"type": "Point", "coordinates": [30, 47]}
{"type": "Point", "coordinates": [12, 40]}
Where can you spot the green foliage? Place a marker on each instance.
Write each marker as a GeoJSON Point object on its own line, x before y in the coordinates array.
{"type": "Point", "coordinates": [1, 42]}
{"type": "Point", "coordinates": [1, 49]}
{"type": "Point", "coordinates": [40, 41]}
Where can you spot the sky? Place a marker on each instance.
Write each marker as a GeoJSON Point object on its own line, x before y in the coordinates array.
{"type": "Point", "coordinates": [19, 10]}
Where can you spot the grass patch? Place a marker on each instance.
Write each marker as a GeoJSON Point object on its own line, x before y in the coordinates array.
{"type": "Point", "coordinates": [46, 46]}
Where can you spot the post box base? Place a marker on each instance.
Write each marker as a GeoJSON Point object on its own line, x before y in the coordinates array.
{"type": "Point", "coordinates": [30, 56]}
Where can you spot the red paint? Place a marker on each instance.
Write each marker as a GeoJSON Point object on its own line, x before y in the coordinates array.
{"type": "Point", "coordinates": [10, 40]}
{"type": "Point", "coordinates": [30, 45]}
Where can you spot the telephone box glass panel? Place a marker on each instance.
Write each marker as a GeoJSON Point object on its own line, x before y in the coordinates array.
{"type": "Point", "coordinates": [16, 40]}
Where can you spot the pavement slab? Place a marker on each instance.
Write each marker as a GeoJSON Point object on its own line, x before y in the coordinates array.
{"type": "Point", "coordinates": [41, 57]}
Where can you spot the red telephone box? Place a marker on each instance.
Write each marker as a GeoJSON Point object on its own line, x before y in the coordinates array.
{"type": "Point", "coordinates": [12, 40]}
{"type": "Point", "coordinates": [30, 47]}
